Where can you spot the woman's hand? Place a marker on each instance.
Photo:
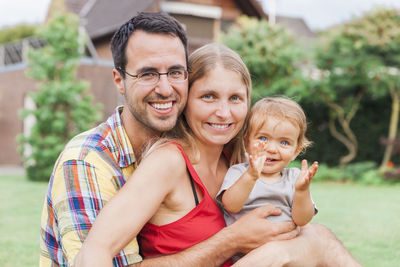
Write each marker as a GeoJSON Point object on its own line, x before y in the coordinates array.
{"type": "Point", "coordinates": [253, 229]}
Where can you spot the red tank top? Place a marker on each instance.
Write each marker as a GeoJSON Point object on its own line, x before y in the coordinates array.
{"type": "Point", "coordinates": [199, 224]}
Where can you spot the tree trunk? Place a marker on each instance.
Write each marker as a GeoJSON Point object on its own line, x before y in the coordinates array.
{"type": "Point", "coordinates": [349, 139]}
{"type": "Point", "coordinates": [394, 121]}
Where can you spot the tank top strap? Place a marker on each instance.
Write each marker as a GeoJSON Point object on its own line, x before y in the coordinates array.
{"type": "Point", "coordinates": [192, 172]}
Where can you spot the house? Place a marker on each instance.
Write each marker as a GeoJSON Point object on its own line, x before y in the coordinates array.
{"type": "Point", "coordinates": [203, 20]}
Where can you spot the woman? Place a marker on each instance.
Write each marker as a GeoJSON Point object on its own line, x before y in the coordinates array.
{"type": "Point", "coordinates": [179, 178]}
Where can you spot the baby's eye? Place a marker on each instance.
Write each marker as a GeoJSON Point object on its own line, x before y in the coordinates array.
{"type": "Point", "coordinates": [262, 138]}
{"type": "Point", "coordinates": [285, 143]}
{"type": "Point", "coordinates": [235, 98]}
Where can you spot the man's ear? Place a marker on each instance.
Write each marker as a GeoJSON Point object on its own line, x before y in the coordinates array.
{"type": "Point", "coordinates": [119, 81]}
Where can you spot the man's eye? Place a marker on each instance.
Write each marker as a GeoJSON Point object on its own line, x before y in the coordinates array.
{"type": "Point", "coordinates": [175, 73]}
{"type": "Point", "coordinates": [148, 75]}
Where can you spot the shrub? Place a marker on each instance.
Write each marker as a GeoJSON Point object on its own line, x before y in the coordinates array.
{"type": "Point", "coordinates": [354, 171]}
{"type": "Point", "coordinates": [63, 107]}
{"type": "Point", "coordinates": [326, 173]}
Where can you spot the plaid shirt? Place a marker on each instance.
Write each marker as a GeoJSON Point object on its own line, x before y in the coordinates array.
{"type": "Point", "coordinates": [88, 173]}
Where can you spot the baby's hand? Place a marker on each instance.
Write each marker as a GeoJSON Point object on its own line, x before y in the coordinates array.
{"type": "Point", "coordinates": [306, 175]}
{"type": "Point", "coordinates": [257, 159]}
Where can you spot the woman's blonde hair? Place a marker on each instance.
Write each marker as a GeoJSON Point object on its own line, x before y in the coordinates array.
{"type": "Point", "coordinates": [201, 62]}
{"type": "Point", "coordinates": [282, 108]}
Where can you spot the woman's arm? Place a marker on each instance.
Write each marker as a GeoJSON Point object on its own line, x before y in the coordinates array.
{"type": "Point", "coordinates": [303, 208]}
{"type": "Point", "coordinates": [138, 200]}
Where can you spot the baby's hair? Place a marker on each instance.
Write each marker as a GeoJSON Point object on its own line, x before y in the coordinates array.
{"type": "Point", "coordinates": [281, 108]}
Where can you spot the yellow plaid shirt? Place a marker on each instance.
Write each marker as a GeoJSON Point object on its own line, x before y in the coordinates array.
{"type": "Point", "coordinates": [89, 172]}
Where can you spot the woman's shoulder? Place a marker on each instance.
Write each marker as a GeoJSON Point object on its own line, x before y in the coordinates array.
{"type": "Point", "coordinates": [167, 155]}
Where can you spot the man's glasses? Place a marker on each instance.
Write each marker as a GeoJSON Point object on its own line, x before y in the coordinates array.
{"type": "Point", "coordinates": [152, 77]}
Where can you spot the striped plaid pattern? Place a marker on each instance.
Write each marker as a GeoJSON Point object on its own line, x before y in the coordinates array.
{"type": "Point", "coordinates": [89, 172]}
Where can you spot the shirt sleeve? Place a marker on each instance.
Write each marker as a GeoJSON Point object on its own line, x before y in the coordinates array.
{"type": "Point", "coordinates": [232, 175]}
{"type": "Point", "coordinates": [80, 191]}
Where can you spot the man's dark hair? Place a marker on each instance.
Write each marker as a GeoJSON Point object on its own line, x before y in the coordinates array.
{"type": "Point", "coordinates": [150, 22]}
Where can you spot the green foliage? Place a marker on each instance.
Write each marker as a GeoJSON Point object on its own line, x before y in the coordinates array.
{"type": "Point", "coordinates": [271, 55]}
{"type": "Point", "coordinates": [360, 172]}
{"type": "Point", "coordinates": [63, 107]}
{"type": "Point", "coordinates": [358, 59]}
{"type": "Point", "coordinates": [372, 177]}
{"type": "Point", "coordinates": [11, 34]}
{"type": "Point", "coordinates": [355, 171]}
{"type": "Point", "coordinates": [326, 173]}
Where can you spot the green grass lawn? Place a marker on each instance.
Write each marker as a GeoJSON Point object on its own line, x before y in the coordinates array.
{"type": "Point", "coordinates": [20, 208]}
{"type": "Point", "coordinates": [365, 218]}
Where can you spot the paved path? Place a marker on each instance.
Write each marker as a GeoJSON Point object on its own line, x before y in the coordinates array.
{"type": "Point", "coordinates": [11, 169]}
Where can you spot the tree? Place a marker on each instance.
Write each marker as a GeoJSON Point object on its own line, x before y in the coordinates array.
{"type": "Point", "coordinates": [341, 84]}
{"type": "Point", "coordinates": [15, 33]}
{"type": "Point", "coordinates": [381, 30]}
{"type": "Point", "coordinates": [63, 105]}
{"type": "Point", "coordinates": [271, 55]}
{"type": "Point", "coordinates": [358, 58]}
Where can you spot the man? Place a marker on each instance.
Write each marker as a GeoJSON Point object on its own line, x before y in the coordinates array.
{"type": "Point", "coordinates": [150, 58]}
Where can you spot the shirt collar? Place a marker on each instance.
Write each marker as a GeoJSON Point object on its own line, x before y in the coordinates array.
{"type": "Point", "coordinates": [123, 145]}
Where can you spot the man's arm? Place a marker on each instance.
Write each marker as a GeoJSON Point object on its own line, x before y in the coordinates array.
{"type": "Point", "coordinates": [79, 191]}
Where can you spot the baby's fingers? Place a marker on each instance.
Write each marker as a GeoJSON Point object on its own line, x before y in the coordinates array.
{"type": "Point", "coordinates": [313, 169]}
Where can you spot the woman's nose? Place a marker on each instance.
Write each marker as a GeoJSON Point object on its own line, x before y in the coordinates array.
{"type": "Point", "coordinates": [223, 109]}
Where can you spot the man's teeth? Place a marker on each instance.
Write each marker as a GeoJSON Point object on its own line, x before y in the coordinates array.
{"type": "Point", "coordinates": [219, 126]}
{"type": "Point", "coordinates": [162, 106]}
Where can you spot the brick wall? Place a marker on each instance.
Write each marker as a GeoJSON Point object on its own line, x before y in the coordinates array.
{"type": "Point", "coordinates": [14, 86]}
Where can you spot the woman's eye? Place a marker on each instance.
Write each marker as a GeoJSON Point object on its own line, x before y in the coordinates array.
{"type": "Point", "coordinates": [285, 143]}
{"type": "Point", "coordinates": [207, 97]}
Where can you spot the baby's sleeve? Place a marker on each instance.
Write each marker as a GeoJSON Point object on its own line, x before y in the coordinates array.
{"type": "Point", "coordinates": [232, 175]}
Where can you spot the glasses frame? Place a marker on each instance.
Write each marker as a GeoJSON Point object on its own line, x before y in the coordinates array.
{"type": "Point", "coordinates": [139, 75]}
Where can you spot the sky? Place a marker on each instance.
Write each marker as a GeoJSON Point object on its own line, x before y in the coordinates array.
{"type": "Point", "coordinates": [318, 14]}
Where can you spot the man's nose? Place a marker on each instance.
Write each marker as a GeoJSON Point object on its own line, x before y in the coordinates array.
{"type": "Point", "coordinates": [163, 86]}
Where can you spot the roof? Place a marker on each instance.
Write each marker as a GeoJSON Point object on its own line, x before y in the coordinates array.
{"type": "Point", "coordinates": [297, 26]}
{"type": "Point", "coordinates": [75, 6]}
{"type": "Point", "coordinates": [251, 8]}
{"type": "Point", "coordinates": [103, 17]}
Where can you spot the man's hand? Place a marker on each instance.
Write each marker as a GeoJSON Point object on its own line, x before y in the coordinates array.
{"type": "Point", "coordinates": [306, 175]}
{"type": "Point", "coordinates": [253, 229]}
